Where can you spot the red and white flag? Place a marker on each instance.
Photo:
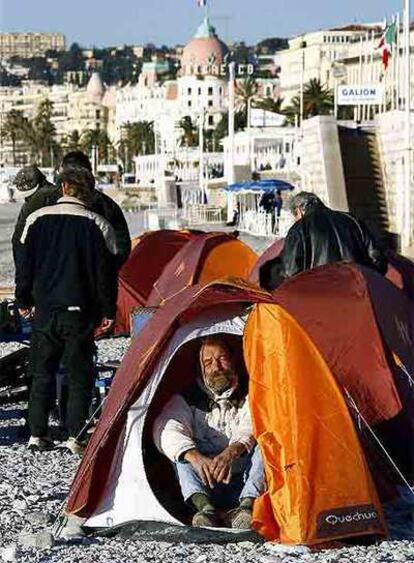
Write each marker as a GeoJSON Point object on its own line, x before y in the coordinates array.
{"type": "Point", "coordinates": [202, 3]}
{"type": "Point", "coordinates": [388, 39]}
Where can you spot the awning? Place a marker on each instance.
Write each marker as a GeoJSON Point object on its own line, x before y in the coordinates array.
{"type": "Point", "coordinates": [260, 186]}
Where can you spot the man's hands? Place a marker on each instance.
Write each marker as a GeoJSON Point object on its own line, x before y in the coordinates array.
{"type": "Point", "coordinates": [223, 462]}
{"type": "Point", "coordinates": [104, 328]}
{"type": "Point", "coordinates": [27, 313]}
{"type": "Point", "coordinates": [202, 466]}
{"type": "Point", "coordinates": [218, 469]}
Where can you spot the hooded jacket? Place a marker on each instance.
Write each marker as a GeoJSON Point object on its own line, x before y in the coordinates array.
{"type": "Point", "coordinates": [204, 421]}
{"type": "Point", "coordinates": [323, 236]}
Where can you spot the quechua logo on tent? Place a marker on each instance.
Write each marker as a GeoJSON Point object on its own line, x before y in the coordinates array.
{"type": "Point", "coordinates": [349, 519]}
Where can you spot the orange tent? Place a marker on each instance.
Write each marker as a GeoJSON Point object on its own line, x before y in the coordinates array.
{"type": "Point", "coordinates": [319, 482]}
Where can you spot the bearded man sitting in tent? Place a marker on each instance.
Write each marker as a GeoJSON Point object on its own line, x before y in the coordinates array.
{"type": "Point", "coordinates": [207, 433]}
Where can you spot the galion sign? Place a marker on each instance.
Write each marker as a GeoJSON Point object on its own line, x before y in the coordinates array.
{"type": "Point", "coordinates": [353, 95]}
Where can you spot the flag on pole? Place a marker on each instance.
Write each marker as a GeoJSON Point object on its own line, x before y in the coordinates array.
{"type": "Point", "coordinates": [388, 39]}
{"type": "Point", "coordinates": [202, 3]}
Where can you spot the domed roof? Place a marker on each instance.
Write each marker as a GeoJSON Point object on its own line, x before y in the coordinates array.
{"type": "Point", "coordinates": [204, 53]}
{"type": "Point", "coordinates": [95, 88]}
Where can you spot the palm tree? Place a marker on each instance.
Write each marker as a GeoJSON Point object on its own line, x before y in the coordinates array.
{"type": "Point", "coordinates": [269, 104]}
{"type": "Point", "coordinates": [73, 141]}
{"type": "Point", "coordinates": [14, 129]}
{"type": "Point", "coordinates": [292, 111]}
{"type": "Point", "coordinates": [42, 133]}
{"type": "Point", "coordinates": [95, 138]}
{"type": "Point", "coordinates": [222, 128]}
{"type": "Point", "coordinates": [317, 99]}
{"type": "Point", "coordinates": [246, 90]}
{"type": "Point", "coordinates": [140, 138]}
{"type": "Point", "coordinates": [189, 137]}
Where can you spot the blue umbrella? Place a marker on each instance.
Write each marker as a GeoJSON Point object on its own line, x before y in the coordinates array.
{"type": "Point", "coordinates": [260, 186]}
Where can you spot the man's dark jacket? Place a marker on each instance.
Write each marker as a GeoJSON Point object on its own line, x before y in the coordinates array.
{"type": "Point", "coordinates": [101, 204]}
{"type": "Point", "coordinates": [66, 261]}
{"type": "Point", "coordinates": [323, 236]}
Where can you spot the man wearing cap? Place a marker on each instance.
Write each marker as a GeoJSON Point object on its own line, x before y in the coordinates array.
{"type": "Point", "coordinates": [28, 181]}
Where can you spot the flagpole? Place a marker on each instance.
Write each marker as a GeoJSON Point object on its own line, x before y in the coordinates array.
{"type": "Point", "coordinates": [397, 64]}
{"type": "Point", "coordinates": [406, 238]}
{"type": "Point", "coordinates": [359, 107]}
{"type": "Point", "coordinates": [230, 155]}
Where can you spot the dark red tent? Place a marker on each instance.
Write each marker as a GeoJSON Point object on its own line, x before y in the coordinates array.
{"type": "Point", "coordinates": [150, 255]}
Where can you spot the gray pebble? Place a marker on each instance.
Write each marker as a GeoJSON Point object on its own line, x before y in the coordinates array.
{"type": "Point", "coordinates": [40, 540]}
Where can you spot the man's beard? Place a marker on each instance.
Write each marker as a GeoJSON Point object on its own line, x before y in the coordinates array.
{"type": "Point", "coordinates": [220, 381]}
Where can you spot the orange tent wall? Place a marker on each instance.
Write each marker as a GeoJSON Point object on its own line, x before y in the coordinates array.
{"type": "Point", "coordinates": [319, 484]}
{"type": "Point", "coordinates": [232, 258]}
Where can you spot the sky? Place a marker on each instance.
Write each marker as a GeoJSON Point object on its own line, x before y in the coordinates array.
{"type": "Point", "coordinates": [170, 22]}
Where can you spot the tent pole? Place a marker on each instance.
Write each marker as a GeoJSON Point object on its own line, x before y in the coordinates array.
{"type": "Point", "coordinates": [378, 441]}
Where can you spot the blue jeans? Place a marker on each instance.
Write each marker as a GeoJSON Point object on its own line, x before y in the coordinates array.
{"type": "Point", "coordinates": [248, 483]}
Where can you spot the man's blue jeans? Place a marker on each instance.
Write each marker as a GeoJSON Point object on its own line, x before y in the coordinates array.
{"type": "Point", "coordinates": [248, 483]}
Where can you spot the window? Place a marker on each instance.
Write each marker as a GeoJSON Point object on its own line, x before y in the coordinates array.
{"type": "Point", "coordinates": [98, 114]}
{"type": "Point", "coordinates": [199, 91]}
{"type": "Point", "coordinates": [210, 120]}
{"type": "Point", "coordinates": [189, 91]}
{"type": "Point", "coordinates": [210, 103]}
{"type": "Point", "coordinates": [189, 103]}
{"type": "Point", "coordinates": [210, 90]}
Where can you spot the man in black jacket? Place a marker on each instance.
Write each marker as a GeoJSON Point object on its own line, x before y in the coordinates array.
{"type": "Point", "coordinates": [28, 182]}
{"type": "Point", "coordinates": [321, 236]}
{"type": "Point", "coordinates": [99, 203]}
{"type": "Point", "coordinates": [66, 281]}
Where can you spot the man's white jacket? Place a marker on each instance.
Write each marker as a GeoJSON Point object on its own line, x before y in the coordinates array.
{"type": "Point", "coordinates": [199, 419]}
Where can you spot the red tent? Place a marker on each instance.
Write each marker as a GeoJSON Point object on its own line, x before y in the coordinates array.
{"type": "Point", "coordinates": [400, 269]}
{"type": "Point", "coordinates": [151, 252]}
{"type": "Point", "coordinates": [206, 258]}
{"type": "Point", "coordinates": [163, 263]}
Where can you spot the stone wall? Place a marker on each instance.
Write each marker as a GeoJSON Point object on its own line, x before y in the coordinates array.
{"type": "Point", "coordinates": [322, 170]}
{"type": "Point", "coordinates": [392, 145]}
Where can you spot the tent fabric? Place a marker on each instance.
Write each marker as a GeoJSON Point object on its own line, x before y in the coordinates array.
{"type": "Point", "coordinates": [132, 377]}
{"type": "Point", "coordinates": [283, 337]}
{"type": "Point", "coordinates": [151, 253]}
{"type": "Point", "coordinates": [129, 495]}
{"type": "Point", "coordinates": [207, 258]}
{"type": "Point", "coordinates": [296, 402]}
{"type": "Point", "coordinates": [350, 343]}
{"type": "Point", "coordinates": [400, 269]}
{"type": "Point", "coordinates": [272, 252]}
